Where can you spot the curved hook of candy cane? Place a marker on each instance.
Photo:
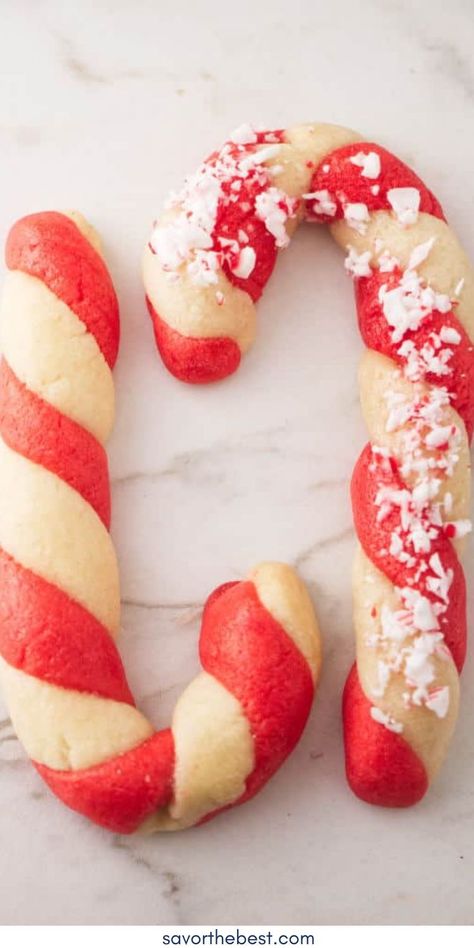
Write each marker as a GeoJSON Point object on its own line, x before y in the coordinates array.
{"type": "Point", "coordinates": [62, 675]}
{"type": "Point", "coordinates": [207, 262]}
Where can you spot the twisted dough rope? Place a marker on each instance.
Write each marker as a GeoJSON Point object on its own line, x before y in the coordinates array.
{"type": "Point", "coordinates": [207, 262]}
{"type": "Point", "coordinates": [61, 673]}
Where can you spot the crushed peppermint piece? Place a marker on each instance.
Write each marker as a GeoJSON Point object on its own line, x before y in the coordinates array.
{"type": "Point", "coordinates": [459, 287]}
{"type": "Point", "coordinates": [420, 362]}
{"type": "Point", "coordinates": [259, 157]}
{"type": "Point", "coordinates": [386, 720]}
{"type": "Point", "coordinates": [448, 502]}
{"type": "Point", "coordinates": [323, 203]}
{"type": "Point", "coordinates": [243, 135]}
{"type": "Point", "coordinates": [220, 298]}
{"type": "Point", "coordinates": [274, 207]}
{"type": "Point", "coordinates": [439, 436]}
{"type": "Point", "coordinates": [368, 162]}
{"type": "Point", "coordinates": [406, 305]}
{"type": "Point", "coordinates": [387, 263]}
{"type": "Point", "coordinates": [203, 268]}
{"type": "Point", "coordinates": [395, 625]}
{"type": "Point", "coordinates": [358, 264]}
{"type": "Point", "coordinates": [232, 245]}
{"type": "Point", "coordinates": [420, 253]}
{"type": "Point", "coordinates": [384, 671]}
{"type": "Point", "coordinates": [419, 667]}
{"type": "Point", "coordinates": [424, 615]}
{"type": "Point", "coordinates": [357, 216]}
{"type": "Point", "coordinates": [441, 582]}
{"type": "Point", "coordinates": [425, 491]}
{"type": "Point", "coordinates": [458, 528]}
{"type": "Point", "coordinates": [396, 545]}
{"type": "Point", "coordinates": [438, 701]}
{"type": "Point", "coordinates": [407, 648]}
{"type": "Point", "coordinates": [400, 410]}
{"type": "Point", "coordinates": [172, 244]}
{"type": "Point", "coordinates": [405, 203]}
{"type": "Point", "coordinates": [375, 189]}
{"type": "Point", "coordinates": [450, 335]}
{"type": "Point", "coordinates": [245, 264]}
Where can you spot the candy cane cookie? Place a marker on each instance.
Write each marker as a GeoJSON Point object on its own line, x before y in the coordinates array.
{"type": "Point", "coordinates": [60, 670]}
{"type": "Point", "coordinates": [206, 264]}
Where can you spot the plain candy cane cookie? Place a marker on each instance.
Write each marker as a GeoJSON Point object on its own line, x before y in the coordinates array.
{"type": "Point", "coordinates": [60, 670]}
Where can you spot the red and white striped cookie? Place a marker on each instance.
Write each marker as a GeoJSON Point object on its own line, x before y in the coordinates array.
{"type": "Point", "coordinates": [207, 262]}
{"type": "Point", "coordinates": [61, 673]}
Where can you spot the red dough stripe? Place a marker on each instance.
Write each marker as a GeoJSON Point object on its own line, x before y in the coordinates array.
{"type": "Point", "coordinates": [120, 793]}
{"type": "Point", "coordinates": [35, 429]}
{"type": "Point", "coordinates": [194, 360]}
{"type": "Point", "coordinates": [244, 647]}
{"type": "Point", "coordinates": [381, 767]}
{"type": "Point", "coordinates": [46, 634]}
{"type": "Point", "coordinates": [50, 247]}
{"type": "Point", "coordinates": [338, 175]}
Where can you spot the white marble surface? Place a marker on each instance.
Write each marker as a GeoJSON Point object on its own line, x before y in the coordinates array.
{"type": "Point", "coordinates": [104, 106]}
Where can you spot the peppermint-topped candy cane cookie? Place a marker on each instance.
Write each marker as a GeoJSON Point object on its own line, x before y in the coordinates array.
{"type": "Point", "coordinates": [60, 670]}
{"type": "Point", "coordinates": [207, 261]}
